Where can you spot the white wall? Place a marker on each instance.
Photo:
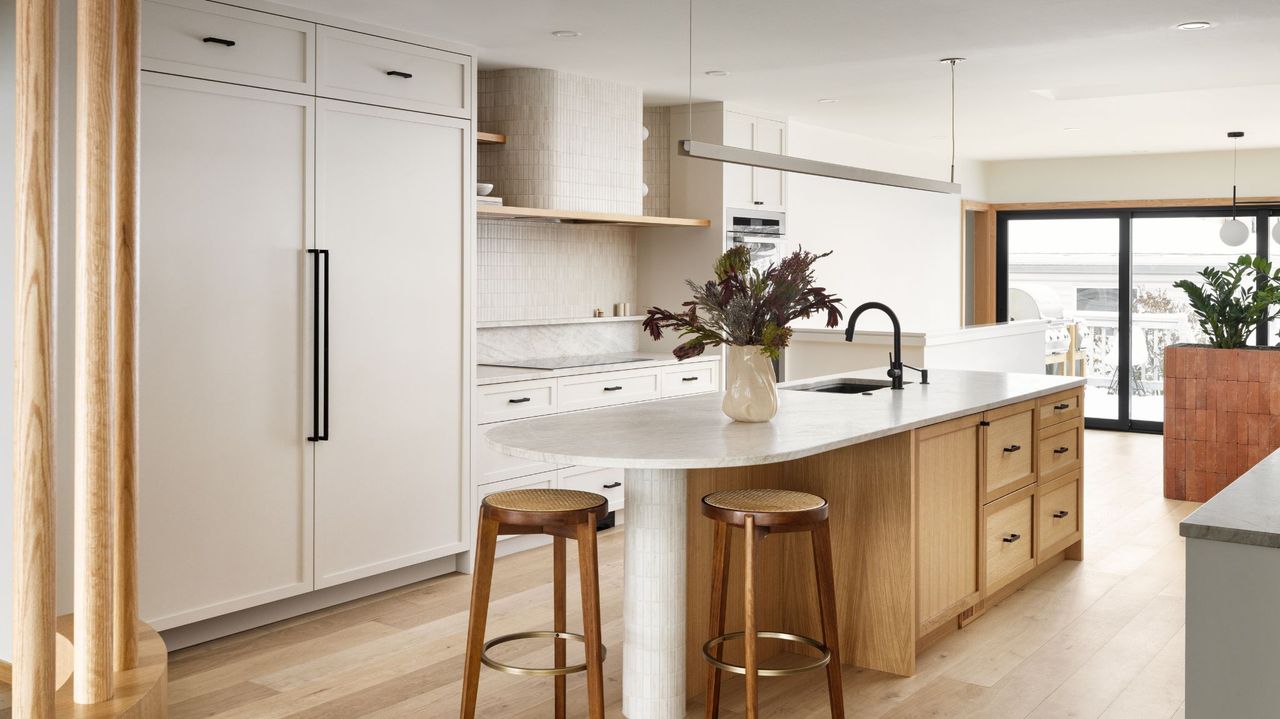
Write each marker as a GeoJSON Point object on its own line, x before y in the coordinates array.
{"type": "Point", "coordinates": [901, 247]}
{"type": "Point", "coordinates": [1188, 175]}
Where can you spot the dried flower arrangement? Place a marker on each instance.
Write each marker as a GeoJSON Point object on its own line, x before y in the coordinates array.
{"type": "Point", "coordinates": [744, 306]}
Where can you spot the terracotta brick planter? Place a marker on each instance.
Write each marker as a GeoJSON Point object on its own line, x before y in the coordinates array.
{"type": "Point", "coordinates": [1221, 416]}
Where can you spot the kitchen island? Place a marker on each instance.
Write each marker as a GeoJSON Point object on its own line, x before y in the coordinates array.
{"type": "Point", "coordinates": [944, 498]}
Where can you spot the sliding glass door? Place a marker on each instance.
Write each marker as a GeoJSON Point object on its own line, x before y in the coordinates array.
{"type": "Point", "coordinates": [1104, 280]}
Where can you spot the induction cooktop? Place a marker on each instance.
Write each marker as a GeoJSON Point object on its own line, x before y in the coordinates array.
{"type": "Point", "coordinates": [567, 362]}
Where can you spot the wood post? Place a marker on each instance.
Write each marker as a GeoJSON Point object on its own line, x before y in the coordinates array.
{"type": "Point", "coordinates": [124, 370]}
{"type": "Point", "coordinates": [33, 561]}
{"type": "Point", "coordinates": [93, 677]}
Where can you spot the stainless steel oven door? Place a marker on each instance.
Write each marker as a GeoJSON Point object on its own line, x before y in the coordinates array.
{"type": "Point", "coordinates": [765, 250]}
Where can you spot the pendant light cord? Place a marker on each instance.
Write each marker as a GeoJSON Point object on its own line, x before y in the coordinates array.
{"type": "Point", "coordinates": [1235, 164]}
{"type": "Point", "coordinates": [690, 98]}
{"type": "Point", "coordinates": [953, 120]}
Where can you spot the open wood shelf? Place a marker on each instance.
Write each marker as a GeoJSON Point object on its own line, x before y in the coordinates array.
{"type": "Point", "coordinates": [491, 138]}
{"type": "Point", "coordinates": [501, 212]}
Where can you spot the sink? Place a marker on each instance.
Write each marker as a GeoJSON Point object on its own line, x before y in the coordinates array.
{"type": "Point", "coordinates": [843, 385]}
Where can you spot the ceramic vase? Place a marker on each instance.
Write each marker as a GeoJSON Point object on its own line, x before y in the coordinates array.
{"type": "Point", "coordinates": [751, 389]}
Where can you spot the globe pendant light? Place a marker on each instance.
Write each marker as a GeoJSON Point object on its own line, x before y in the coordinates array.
{"type": "Point", "coordinates": [1234, 232]}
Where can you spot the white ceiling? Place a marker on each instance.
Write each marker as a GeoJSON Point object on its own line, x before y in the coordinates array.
{"type": "Point", "coordinates": [1115, 69]}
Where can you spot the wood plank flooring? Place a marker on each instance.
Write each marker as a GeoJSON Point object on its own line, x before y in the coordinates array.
{"type": "Point", "coordinates": [1099, 638]}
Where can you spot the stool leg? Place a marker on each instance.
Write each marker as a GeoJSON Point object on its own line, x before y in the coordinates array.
{"type": "Point", "coordinates": [751, 557]}
{"type": "Point", "coordinates": [481, 580]}
{"type": "Point", "coordinates": [590, 578]}
{"type": "Point", "coordinates": [825, 571]}
{"type": "Point", "coordinates": [719, 601]}
{"type": "Point", "coordinates": [558, 581]}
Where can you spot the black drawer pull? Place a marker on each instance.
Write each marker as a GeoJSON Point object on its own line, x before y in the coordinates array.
{"type": "Point", "coordinates": [614, 388]}
{"type": "Point", "coordinates": [688, 379]}
{"type": "Point", "coordinates": [220, 41]}
{"type": "Point", "coordinates": [1013, 448]}
{"type": "Point", "coordinates": [518, 401]}
{"type": "Point", "coordinates": [613, 485]}
{"type": "Point", "coordinates": [397, 73]}
{"type": "Point", "coordinates": [759, 202]}
{"type": "Point", "coordinates": [1012, 538]}
{"type": "Point", "coordinates": [984, 423]}
{"type": "Point", "coordinates": [1060, 450]}
{"type": "Point", "coordinates": [1060, 514]}
{"type": "Point", "coordinates": [1063, 405]}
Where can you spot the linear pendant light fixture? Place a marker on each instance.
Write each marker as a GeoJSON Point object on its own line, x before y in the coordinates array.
{"type": "Point", "coordinates": [1234, 232]}
{"type": "Point", "coordinates": [771, 161]}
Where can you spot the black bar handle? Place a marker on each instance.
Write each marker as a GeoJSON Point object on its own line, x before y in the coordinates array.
{"type": "Point", "coordinates": [613, 485]}
{"type": "Point", "coordinates": [1013, 448]}
{"type": "Point", "coordinates": [1060, 450]}
{"type": "Point", "coordinates": [219, 41]}
{"type": "Point", "coordinates": [1060, 514]}
{"type": "Point", "coordinates": [1012, 538]}
{"type": "Point", "coordinates": [319, 348]}
{"type": "Point", "coordinates": [397, 73]}
{"type": "Point", "coordinates": [688, 379]}
{"type": "Point", "coordinates": [519, 400]}
{"type": "Point", "coordinates": [984, 423]}
{"type": "Point", "coordinates": [614, 388]}
{"type": "Point", "coordinates": [1063, 405]}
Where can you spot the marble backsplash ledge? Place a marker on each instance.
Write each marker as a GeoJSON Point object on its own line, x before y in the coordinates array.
{"type": "Point", "coordinates": [495, 345]}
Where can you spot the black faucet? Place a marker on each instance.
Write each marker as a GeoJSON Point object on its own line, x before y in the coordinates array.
{"type": "Point", "coordinates": [895, 357]}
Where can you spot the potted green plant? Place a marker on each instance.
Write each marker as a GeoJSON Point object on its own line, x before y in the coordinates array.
{"type": "Point", "coordinates": [749, 311]}
{"type": "Point", "coordinates": [1222, 399]}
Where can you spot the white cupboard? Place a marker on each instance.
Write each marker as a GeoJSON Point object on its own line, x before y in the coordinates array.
{"type": "Point", "coordinates": [754, 187]}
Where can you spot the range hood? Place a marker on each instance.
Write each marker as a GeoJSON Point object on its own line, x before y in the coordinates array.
{"type": "Point", "coordinates": [786, 163]}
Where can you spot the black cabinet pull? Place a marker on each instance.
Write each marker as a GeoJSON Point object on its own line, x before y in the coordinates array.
{"type": "Point", "coordinates": [1012, 538]}
{"type": "Point", "coordinates": [1060, 450]}
{"type": "Point", "coordinates": [614, 388]}
{"type": "Point", "coordinates": [613, 485]}
{"type": "Point", "coordinates": [1064, 405]}
{"type": "Point", "coordinates": [1060, 514]}
{"type": "Point", "coordinates": [1013, 448]}
{"type": "Point", "coordinates": [518, 401]}
{"type": "Point", "coordinates": [319, 349]}
{"type": "Point", "coordinates": [759, 202]}
{"type": "Point", "coordinates": [688, 379]}
{"type": "Point", "coordinates": [219, 41]}
{"type": "Point", "coordinates": [397, 73]}
{"type": "Point", "coordinates": [984, 423]}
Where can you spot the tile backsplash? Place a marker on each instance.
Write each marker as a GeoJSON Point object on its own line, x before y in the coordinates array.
{"type": "Point", "coordinates": [657, 161]}
{"type": "Point", "coordinates": [530, 270]}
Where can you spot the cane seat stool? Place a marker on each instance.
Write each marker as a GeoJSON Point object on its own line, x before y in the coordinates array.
{"type": "Point", "coordinates": [563, 514]}
{"type": "Point", "coordinates": [761, 512]}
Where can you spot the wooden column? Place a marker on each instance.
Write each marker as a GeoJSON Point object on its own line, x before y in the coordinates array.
{"type": "Point", "coordinates": [124, 370]}
{"type": "Point", "coordinates": [33, 561]}
{"type": "Point", "coordinates": [93, 676]}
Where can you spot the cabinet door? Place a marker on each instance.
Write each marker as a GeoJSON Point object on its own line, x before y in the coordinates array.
{"type": "Point", "coordinates": [739, 131]}
{"type": "Point", "coordinates": [225, 490]}
{"type": "Point", "coordinates": [767, 185]}
{"type": "Point", "coordinates": [391, 200]}
{"type": "Point", "coordinates": [948, 474]}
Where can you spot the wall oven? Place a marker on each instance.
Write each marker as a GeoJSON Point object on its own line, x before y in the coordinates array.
{"type": "Point", "coordinates": [763, 233]}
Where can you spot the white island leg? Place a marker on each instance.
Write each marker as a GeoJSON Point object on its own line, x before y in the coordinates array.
{"type": "Point", "coordinates": [654, 595]}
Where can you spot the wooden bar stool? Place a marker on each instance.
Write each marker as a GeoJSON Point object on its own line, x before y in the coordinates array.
{"type": "Point", "coordinates": [761, 512]}
{"type": "Point", "coordinates": [563, 514]}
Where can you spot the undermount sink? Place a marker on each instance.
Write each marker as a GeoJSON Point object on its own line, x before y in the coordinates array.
{"type": "Point", "coordinates": [843, 385]}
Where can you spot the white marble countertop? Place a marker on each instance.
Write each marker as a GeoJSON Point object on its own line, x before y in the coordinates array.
{"type": "Point", "coordinates": [922, 339]}
{"type": "Point", "coordinates": [692, 432]}
{"type": "Point", "coordinates": [491, 374]}
{"type": "Point", "coordinates": [1246, 512]}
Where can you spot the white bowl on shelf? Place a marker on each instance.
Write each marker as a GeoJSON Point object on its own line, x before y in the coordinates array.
{"type": "Point", "coordinates": [484, 188]}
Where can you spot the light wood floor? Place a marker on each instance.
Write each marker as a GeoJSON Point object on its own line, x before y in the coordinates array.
{"type": "Point", "coordinates": [1099, 638]}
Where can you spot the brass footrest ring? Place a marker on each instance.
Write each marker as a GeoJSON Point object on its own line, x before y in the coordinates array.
{"type": "Point", "coordinates": [534, 671]}
{"type": "Point", "coordinates": [818, 663]}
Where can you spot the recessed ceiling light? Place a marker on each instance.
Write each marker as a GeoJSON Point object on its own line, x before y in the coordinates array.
{"type": "Point", "coordinates": [1071, 129]}
{"type": "Point", "coordinates": [1195, 25]}
{"type": "Point", "coordinates": [565, 33]}
{"type": "Point", "coordinates": [827, 100]}
{"type": "Point", "coordinates": [717, 73]}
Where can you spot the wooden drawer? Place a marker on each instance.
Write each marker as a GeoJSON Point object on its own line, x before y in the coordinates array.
{"type": "Point", "coordinates": [589, 391]}
{"type": "Point", "coordinates": [364, 68]}
{"type": "Point", "coordinates": [537, 481]}
{"type": "Point", "coordinates": [489, 465]}
{"type": "Point", "coordinates": [1010, 450]}
{"type": "Point", "coordinates": [515, 400]}
{"type": "Point", "coordinates": [1060, 449]}
{"type": "Point", "coordinates": [1057, 515]}
{"type": "Point", "coordinates": [690, 379]}
{"type": "Point", "coordinates": [1007, 525]}
{"type": "Point", "coordinates": [604, 481]}
{"type": "Point", "coordinates": [182, 37]}
{"type": "Point", "coordinates": [1059, 407]}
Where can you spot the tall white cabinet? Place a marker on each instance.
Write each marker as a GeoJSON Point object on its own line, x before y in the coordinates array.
{"type": "Point", "coordinates": [305, 264]}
